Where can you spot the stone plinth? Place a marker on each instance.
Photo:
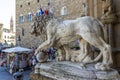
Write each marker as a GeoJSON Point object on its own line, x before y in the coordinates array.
{"type": "Point", "coordinates": [71, 71]}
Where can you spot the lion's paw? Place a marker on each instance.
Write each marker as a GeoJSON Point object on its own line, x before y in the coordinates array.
{"type": "Point", "coordinates": [101, 66]}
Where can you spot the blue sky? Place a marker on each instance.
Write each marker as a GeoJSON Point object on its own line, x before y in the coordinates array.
{"type": "Point", "coordinates": [7, 9]}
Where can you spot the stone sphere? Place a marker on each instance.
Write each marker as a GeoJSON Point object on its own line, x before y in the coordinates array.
{"type": "Point", "coordinates": [42, 57]}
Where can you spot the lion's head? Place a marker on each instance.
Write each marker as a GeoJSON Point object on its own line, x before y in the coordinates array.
{"type": "Point", "coordinates": [36, 27]}
{"type": "Point", "coordinates": [39, 25]}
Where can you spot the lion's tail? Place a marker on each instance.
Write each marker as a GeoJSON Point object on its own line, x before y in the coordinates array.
{"type": "Point", "coordinates": [103, 30]}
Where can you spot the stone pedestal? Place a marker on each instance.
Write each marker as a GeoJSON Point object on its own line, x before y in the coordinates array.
{"type": "Point", "coordinates": [71, 71]}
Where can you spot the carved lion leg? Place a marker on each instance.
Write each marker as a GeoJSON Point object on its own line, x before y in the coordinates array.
{"type": "Point", "coordinates": [83, 50]}
{"type": "Point", "coordinates": [107, 55]}
{"type": "Point", "coordinates": [61, 54]}
{"type": "Point", "coordinates": [98, 42]}
{"type": "Point", "coordinates": [44, 45]}
{"type": "Point", "coordinates": [67, 52]}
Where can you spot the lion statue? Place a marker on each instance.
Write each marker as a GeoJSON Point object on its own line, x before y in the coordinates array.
{"type": "Point", "coordinates": [60, 33]}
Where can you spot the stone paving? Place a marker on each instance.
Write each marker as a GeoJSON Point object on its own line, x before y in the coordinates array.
{"type": "Point", "coordinates": [5, 75]}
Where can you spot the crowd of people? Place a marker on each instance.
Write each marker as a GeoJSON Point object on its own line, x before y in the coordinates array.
{"type": "Point", "coordinates": [30, 59]}
{"type": "Point", "coordinates": [51, 53]}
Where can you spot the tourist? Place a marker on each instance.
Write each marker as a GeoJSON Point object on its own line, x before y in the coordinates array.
{"type": "Point", "coordinates": [5, 64]}
{"type": "Point", "coordinates": [12, 64]}
{"type": "Point", "coordinates": [34, 61]}
{"type": "Point", "coordinates": [30, 62]}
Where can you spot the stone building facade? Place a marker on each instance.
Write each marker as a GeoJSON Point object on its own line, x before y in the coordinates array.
{"type": "Point", "coordinates": [7, 35]}
{"type": "Point", "coordinates": [74, 9]}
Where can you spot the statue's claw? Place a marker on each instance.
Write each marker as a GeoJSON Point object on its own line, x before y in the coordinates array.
{"type": "Point", "coordinates": [36, 52]}
{"type": "Point", "coordinates": [101, 66]}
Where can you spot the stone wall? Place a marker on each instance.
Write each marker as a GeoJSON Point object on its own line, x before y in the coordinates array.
{"type": "Point", "coordinates": [23, 8]}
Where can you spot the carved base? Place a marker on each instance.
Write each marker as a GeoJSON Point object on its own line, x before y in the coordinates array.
{"type": "Point", "coordinates": [71, 71]}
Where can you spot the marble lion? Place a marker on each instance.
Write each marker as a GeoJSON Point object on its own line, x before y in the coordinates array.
{"type": "Point", "coordinates": [62, 32]}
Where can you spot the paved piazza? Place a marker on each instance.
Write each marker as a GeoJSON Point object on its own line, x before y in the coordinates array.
{"type": "Point", "coordinates": [4, 75]}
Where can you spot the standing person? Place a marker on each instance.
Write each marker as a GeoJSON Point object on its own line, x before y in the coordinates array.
{"type": "Point", "coordinates": [1, 55]}
{"type": "Point", "coordinates": [5, 64]}
{"type": "Point", "coordinates": [12, 64]}
{"type": "Point", "coordinates": [56, 55]}
{"type": "Point", "coordinates": [33, 63]}
{"type": "Point", "coordinates": [30, 62]}
{"type": "Point", "coordinates": [49, 53]}
{"type": "Point", "coordinates": [51, 56]}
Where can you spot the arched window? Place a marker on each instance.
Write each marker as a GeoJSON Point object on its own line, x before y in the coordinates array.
{"type": "Point", "coordinates": [29, 17]}
{"type": "Point", "coordinates": [64, 10]}
{"type": "Point", "coordinates": [21, 18]}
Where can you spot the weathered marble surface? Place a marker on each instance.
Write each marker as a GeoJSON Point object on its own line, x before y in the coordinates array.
{"type": "Point", "coordinates": [72, 71]}
{"type": "Point", "coordinates": [59, 33]}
